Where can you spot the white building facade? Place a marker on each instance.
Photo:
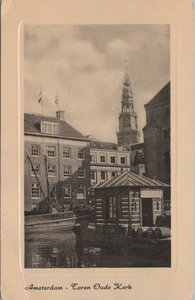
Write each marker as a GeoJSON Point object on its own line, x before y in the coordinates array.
{"type": "Point", "coordinates": [107, 161]}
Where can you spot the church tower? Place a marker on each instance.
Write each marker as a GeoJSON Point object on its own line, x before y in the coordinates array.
{"type": "Point", "coordinates": [128, 130]}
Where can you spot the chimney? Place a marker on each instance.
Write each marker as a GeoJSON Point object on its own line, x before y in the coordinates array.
{"type": "Point", "coordinates": [60, 115]}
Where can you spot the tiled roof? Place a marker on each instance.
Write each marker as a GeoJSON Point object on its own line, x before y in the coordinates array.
{"type": "Point", "coordinates": [130, 179]}
{"type": "Point", "coordinates": [161, 97]}
{"type": "Point", "coordinates": [32, 125]}
{"type": "Point", "coordinates": [103, 145]}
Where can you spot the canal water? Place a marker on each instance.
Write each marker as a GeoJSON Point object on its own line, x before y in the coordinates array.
{"type": "Point", "coordinates": [66, 249]}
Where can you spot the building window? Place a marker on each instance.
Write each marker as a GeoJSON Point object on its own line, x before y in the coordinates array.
{"type": "Point", "coordinates": [67, 171]}
{"type": "Point", "coordinates": [67, 190]}
{"type": "Point", "coordinates": [103, 175]}
{"type": "Point", "coordinates": [49, 127]}
{"type": "Point", "coordinates": [81, 154]}
{"type": "Point", "coordinates": [157, 205]}
{"type": "Point", "coordinates": [35, 150]}
{"type": "Point", "coordinates": [112, 207]}
{"type": "Point", "coordinates": [133, 206]}
{"type": "Point", "coordinates": [92, 158]}
{"type": "Point", "coordinates": [93, 175]}
{"type": "Point", "coordinates": [66, 152]}
{"type": "Point", "coordinates": [51, 151]}
{"type": "Point", "coordinates": [113, 159]}
{"type": "Point", "coordinates": [81, 172]}
{"type": "Point", "coordinates": [51, 169]}
{"type": "Point", "coordinates": [123, 160]}
{"type": "Point", "coordinates": [102, 158]}
{"type": "Point", "coordinates": [81, 191]}
{"type": "Point", "coordinates": [35, 169]}
{"type": "Point", "coordinates": [35, 191]}
{"type": "Point", "coordinates": [113, 174]}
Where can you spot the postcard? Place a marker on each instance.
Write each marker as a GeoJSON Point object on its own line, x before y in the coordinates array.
{"type": "Point", "coordinates": [97, 150]}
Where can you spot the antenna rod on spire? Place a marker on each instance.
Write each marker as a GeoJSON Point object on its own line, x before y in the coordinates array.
{"type": "Point", "coordinates": [126, 65]}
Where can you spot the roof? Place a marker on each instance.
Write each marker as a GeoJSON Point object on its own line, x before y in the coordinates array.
{"type": "Point", "coordinates": [137, 146]}
{"type": "Point", "coordinates": [163, 96]}
{"type": "Point", "coordinates": [130, 179]}
{"type": "Point", "coordinates": [32, 125]}
{"type": "Point", "coordinates": [103, 145]}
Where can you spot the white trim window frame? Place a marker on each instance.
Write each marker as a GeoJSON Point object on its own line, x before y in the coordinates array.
{"type": "Point", "coordinates": [35, 169]}
{"type": "Point", "coordinates": [51, 151]}
{"type": "Point", "coordinates": [121, 159]}
{"type": "Point", "coordinates": [92, 158]}
{"type": "Point", "coordinates": [113, 159]}
{"type": "Point", "coordinates": [49, 127]}
{"type": "Point", "coordinates": [92, 174]}
{"type": "Point", "coordinates": [103, 177]}
{"type": "Point", "coordinates": [67, 171]}
{"type": "Point", "coordinates": [81, 154]}
{"type": "Point", "coordinates": [35, 150]}
{"type": "Point", "coordinates": [103, 158]}
{"type": "Point", "coordinates": [66, 152]}
{"type": "Point", "coordinates": [81, 172]}
{"type": "Point", "coordinates": [51, 170]}
{"type": "Point", "coordinates": [81, 191]}
{"type": "Point", "coordinates": [35, 191]}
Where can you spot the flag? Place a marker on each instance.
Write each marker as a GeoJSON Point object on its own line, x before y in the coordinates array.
{"type": "Point", "coordinates": [56, 100]}
{"type": "Point", "coordinates": [40, 96]}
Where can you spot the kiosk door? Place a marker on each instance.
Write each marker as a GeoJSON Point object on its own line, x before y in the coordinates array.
{"type": "Point", "coordinates": [147, 212]}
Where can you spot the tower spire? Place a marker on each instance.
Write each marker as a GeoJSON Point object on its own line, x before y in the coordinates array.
{"type": "Point", "coordinates": [126, 77]}
{"type": "Point", "coordinates": [127, 90]}
{"type": "Point", "coordinates": [128, 129]}
{"type": "Point", "coordinates": [126, 65]}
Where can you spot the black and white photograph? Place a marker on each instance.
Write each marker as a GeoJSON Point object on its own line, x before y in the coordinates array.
{"type": "Point", "coordinates": [97, 135]}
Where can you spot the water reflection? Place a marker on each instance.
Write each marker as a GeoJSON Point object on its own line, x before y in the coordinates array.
{"type": "Point", "coordinates": [65, 249]}
{"type": "Point", "coordinates": [52, 250]}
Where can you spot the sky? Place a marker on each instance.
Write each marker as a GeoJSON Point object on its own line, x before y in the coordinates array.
{"type": "Point", "coordinates": [85, 65]}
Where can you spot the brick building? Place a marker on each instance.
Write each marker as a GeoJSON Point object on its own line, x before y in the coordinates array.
{"type": "Point", "coordinates": [137, 159]}
{"type": "Point", "coordinates": [157, 139]}
{"type": "Point", "coordinates": [57, 161]}
{"type": "Point", "coordinates": [157, 136]}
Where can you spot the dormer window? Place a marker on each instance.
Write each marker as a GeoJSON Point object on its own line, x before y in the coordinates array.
{"type": "Point", "coordinates": [49, 127]}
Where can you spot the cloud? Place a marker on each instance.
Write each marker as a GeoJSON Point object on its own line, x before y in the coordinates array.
{"type": "Point", "coordinates": [89, 77]}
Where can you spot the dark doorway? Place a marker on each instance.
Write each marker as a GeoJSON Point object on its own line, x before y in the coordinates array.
{"type": "Point", "coordinates": [147, 212]}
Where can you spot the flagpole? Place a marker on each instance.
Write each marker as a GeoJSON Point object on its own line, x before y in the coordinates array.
{"type": "Point", "coordinates": [40, 100]}
{"type": "Point", "coordinates": [41, 127]}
